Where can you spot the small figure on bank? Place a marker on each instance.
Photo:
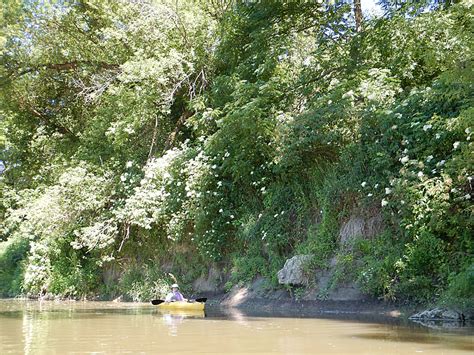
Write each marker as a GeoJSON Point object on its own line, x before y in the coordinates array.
{"type": "Point", "coordinates": [174, 295]}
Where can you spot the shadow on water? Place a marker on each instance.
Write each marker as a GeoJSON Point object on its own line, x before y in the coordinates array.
{"type": "Point", "coordinates": [466, 328]}
{"type": "Point", "coordinates": [367, 317]}
{"type": "Point", "coordinates": [407, 335]}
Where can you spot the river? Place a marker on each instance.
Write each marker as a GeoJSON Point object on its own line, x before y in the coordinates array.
{"type": "Point", "coordinates": [30, 327]}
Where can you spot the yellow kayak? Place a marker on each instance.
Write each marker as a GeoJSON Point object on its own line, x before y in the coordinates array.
{"type": "Point", "coordinates": [182, 305]}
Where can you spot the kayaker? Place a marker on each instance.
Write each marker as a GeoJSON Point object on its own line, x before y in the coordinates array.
{"type": "Point", "coordinates": [174, 295]}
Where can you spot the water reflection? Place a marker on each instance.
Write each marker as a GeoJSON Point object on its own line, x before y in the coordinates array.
{"type": "Point", "coordinates": [172, 321]}
{"type": "Point", "coordinates": [236, 315]}
{"type": "Point", "coordinates": [27, 332]}
{"type": "Point", "coordinates": [174, 318]}
{"type": "Point", "coordinates": [34, 330]}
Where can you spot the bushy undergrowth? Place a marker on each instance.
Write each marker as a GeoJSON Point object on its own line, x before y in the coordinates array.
{"type": "Point", "coordinates": [12, 257]}
{"type": "Point", "coordinates": [460, 289]}
{"type": "Point", "coordinates": [143, 283]}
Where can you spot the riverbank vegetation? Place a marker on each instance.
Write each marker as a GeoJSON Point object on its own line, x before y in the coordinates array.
{"type": "Point", "coordinates": [153, 137]}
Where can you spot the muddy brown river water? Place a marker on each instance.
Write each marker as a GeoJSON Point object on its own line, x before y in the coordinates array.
{"type": "Point", "coordinates": [30, 327]}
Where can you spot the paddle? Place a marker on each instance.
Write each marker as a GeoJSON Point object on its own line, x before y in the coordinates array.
{"type": "Point", "coordinates": [157, 302]}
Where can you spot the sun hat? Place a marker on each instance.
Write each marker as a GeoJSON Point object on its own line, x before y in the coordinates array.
{"type": "Point", "coordinates": [174, 286]}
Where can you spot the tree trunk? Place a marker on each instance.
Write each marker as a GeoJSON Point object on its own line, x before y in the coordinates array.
{"type": "Point", "coordinates": [358, 15]}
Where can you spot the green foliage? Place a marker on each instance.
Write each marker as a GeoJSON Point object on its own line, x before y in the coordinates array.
{"type": "Point", "coordinates": [428, 189]}
{"type": "Point", "coordinates": [12, 256]}
{"type": "Point", "coordinates": [142, 284]}
{"type": "Point", "coordinates": [140, 136]}
{"type": "Point", "coordinates": [322, 233]}
{"type": "Point", "coordinates": [460, 289]}
{"type": "Point", "coordinates": [376, 274]}
{"type": "Point", "coordinates": [247, 267]}
{"type": "Point", "coordinates": [73, 277]}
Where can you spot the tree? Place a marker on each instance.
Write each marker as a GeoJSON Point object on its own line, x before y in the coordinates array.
{"type": "Point", "coordinates": [358, 15]}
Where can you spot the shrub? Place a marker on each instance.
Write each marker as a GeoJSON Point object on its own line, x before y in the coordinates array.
{"type": "Point", "coordinates": [143, 283]}
{"type": "Point", "coordinates": [460, 290]}
{"type": "Point", "coordinates": [12, 256]}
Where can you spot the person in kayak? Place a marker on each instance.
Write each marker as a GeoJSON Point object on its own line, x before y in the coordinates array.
{"type": "Point", "coordinates": [174, 295]}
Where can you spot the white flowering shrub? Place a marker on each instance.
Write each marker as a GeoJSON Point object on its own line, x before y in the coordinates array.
{"type": "Point", "coordinates": [424, 172]}
{"type": "Point", "coordinates": [144, 283]}
{"type": "Point", "coordinates": [38, 272]}
{"type": "Point", "coordinates": [52, 218]}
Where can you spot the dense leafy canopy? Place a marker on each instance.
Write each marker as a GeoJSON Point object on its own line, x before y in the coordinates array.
{"type": "Point", "coordinates": [148, 137]}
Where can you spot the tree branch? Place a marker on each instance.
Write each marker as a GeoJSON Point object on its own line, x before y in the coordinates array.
{"type": "Point", "coordinates": [61, 129]}
{"type": "Point", "coordinates": [172, 137]}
